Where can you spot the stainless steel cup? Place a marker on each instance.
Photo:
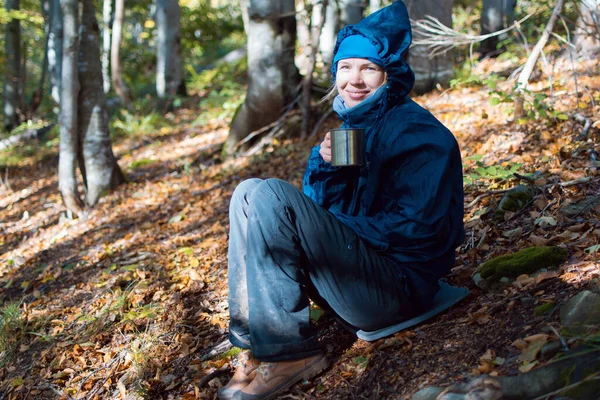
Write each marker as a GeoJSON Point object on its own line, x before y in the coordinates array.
{"type": "Point", "coordinates": [346, 147]}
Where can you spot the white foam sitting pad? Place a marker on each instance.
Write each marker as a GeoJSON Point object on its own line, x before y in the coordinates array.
{"type": "Point", "coordinates": [443, 300]}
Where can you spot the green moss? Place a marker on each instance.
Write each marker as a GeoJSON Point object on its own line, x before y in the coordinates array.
{"type": "Point", "coordinates": [513, 201]}
{"type": "Point", "coordinates": [141, 163]}
{"type": "Point", "coordinates": [233, 352]}
{"type": "Point", "coordinates": [544, 308]}
{"type": "Point", "coordinates": [525, 261]}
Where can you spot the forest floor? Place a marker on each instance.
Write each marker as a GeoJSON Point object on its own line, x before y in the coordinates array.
{"type": "Point", "coordinates": [131, 302]}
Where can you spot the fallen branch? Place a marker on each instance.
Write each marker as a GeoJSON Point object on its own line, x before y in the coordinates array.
{"type": "Point", "coordinates": [439, 38]}
{"type": "Point", "coordinates": [484, 195]}
{"type": "Point", "coordinates": [574, 182]}
{"type": "Point", "coordinates": [523, 79]}
{"type": "Point", "coordinates": [217, 372]}
{"type": "Point", "coordinates": [587, 124]}
{"type": "Point", "coordinates": [27, 135]}
{"type": "Point", "coordinates": [320, 121]}
{"type": "Point", "coordinates": [5, 183]}
{"type": "Point", "coordinates": [218, 349]}
{"type": "Point", "coordinates": [594, 377]}
{"type": "Point", "coordinates": [502, 191]}
{"type": "Point", "coordinates": [274, 126]}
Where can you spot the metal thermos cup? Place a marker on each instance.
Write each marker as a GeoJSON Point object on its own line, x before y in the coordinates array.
{"type": "Point", "coordinates": [346, 147]}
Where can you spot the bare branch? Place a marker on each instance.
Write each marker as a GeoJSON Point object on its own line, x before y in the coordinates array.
{"type": "Point", "coordinates": [439, 38]}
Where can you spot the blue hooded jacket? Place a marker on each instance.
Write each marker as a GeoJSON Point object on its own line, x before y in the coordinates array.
{"type": "Point", "coordinates": [406, 201]}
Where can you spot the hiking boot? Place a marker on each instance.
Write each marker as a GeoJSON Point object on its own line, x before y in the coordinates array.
{"type": "Point", "coordinates": [244, 374]}
{"type": "Point", "coordinates": [275, 378]}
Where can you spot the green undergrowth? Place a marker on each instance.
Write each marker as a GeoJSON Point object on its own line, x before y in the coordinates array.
{"type": "Point", "coordinates": [31, 151]}
{"type": "Point", "coordinates": [222, 90]}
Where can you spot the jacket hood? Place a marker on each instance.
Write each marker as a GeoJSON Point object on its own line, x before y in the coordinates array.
{"type": "Point", "coordinates": [389, 31]}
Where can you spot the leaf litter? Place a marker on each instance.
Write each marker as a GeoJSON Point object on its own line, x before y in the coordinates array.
{"type": "Point", "coordinates": [132, 301]}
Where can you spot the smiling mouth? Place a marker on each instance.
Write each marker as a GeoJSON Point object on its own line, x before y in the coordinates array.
{"type": "Point", "coordinates": [357, 95]}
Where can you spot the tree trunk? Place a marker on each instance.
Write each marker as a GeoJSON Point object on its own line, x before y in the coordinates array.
{"type": "Point", "coordinates": [329, 34]}
{"type": "Point", "coordinates": [429, 72]}
{"type": "Point", "coordinates": [308, 79]}
{"type": "Point", "coordinates": [115, 58]}
{"type": "Point", "coordinates": [55, 50]}
{"type": "Point", "coordinates": [272, 74]}
{"type": "Point", "coordinates": [168, 52]}
{"type": "Point", "coordinates": [101, 169]}
{"type": "Point", "coordinates": [351, 11]}
{"type": "Point", "coordinates": [374, 5]}
{"type": "Point", "coordinates": [587, 34]}
{"type": "Point", "coordinates": [106, 43]}
{"type": "Point", "coordinates": [495, 16]}
{"type": "Point", "coordinates": [338, 14]}
{"type": "Point", "coordinates": [67, 180]}
{"type": "Point", "coordinates": [37, 96]}
{"type": "Point", "coordinates": [12, 79]}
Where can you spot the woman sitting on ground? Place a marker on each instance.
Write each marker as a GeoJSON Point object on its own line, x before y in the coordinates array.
{"type": "Point", "coordinates": [368, 242]}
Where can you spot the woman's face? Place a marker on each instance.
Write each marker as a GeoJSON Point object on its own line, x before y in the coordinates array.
{"type": "Point", "coordinates": [358, 78]}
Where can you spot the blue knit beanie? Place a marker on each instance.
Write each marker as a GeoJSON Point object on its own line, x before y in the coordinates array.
{"type": "Point", "coordinates": [357, 46]}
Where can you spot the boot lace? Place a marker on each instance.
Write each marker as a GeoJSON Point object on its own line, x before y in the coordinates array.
{"type": "Point", "coordinates": [264, 368]}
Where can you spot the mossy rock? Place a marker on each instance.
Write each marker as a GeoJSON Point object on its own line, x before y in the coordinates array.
{"type": "Point", "coordinates": [525, 261]}
{"type": "Point", "coordinates": [513, 201]}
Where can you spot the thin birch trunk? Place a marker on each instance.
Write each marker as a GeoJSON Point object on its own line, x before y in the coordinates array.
{"type": "Point", "coordinates": [523, 79]}
{"type": "Point", "coordinates": [12, 79]}
{"type": "Point", "coordinates": [36, 97]}
{"type": "Point", "coordinates": [168, 52]}
{"type": "Point", "coordinates": [308, 79]}
{"type": "Point", "coordinates": [101, 169]}
{"type": "Point", "coordinates": [587, 33]}
{"type": "Point", "coordinates": [55, 50]}
{"type": "Point", "coordinates": [106, 43]}
{"type": "Point", "coordinates": [374, 5]}
{"type": "Point", "coordinates": [328, 36]}
{"type": "Point", "coordinates": [115, 56]}
{"type": "Point", "coordinates": [67, 179]}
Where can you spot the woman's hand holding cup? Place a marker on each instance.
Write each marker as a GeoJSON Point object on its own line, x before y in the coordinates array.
{"type": "Point", "coordinates": [325, 151]}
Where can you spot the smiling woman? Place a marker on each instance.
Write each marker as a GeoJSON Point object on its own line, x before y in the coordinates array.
{"type": "Point", "coordinates": [367, 242]}
{"type": "Point", "coordinates": [357, 79]}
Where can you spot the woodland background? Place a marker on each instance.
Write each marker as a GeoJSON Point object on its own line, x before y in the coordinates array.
{"type": "Point", "coordinates": [127, 125]}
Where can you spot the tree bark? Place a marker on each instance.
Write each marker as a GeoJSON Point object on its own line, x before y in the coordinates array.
{"type": "Point", "coordinates": [495, 15]}
{"type": "Point", "coordinates": [308, 79]}
{"type": "Point", "coordinates": [101, 169]}
{"type": "Point", "coordinates": [168, 52]}
{"type": "Point", "coordinates": [523, 79]}
{"type": "Point", "coordinates": [587, 34]}
{"type": "Point", "coordinates": [329, 34]}
{"type": "Point", "coordinates": [272, 74]}
{"type": "Point", "coordinates": [115, 58]}
{"type": "Point", "coordinates": [374, 5]}
{"type": "Point", "coordinates": [429, 72]}
{"type": "Point", "coordinates": [12, 79]}
{"type": "Point", "coordinates": [106, 43]}
{"type": "Point", "coordinates": [55, 50]}
{"type": "Point", "coordinates": [67, 179]}
{"type": "Point", "coordinates": [351, 11]}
